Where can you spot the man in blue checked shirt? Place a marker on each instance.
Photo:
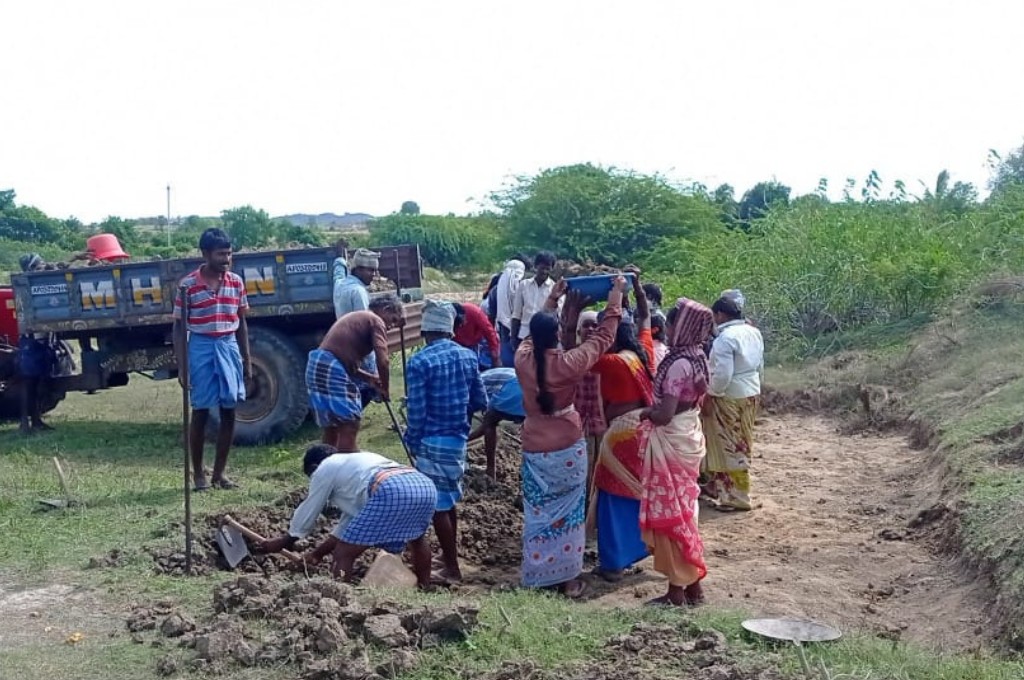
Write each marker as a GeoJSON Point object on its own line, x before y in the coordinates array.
{"type": "Point", "coordinates": [444, 390]}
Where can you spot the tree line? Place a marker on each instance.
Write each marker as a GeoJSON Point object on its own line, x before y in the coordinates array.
{"type": "Point", "coordinates": [812, 265]}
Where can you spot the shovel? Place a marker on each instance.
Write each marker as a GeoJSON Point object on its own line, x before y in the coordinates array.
{"type": "Point", "coordinates": [66, 501]}
{"type": "Point", "coordinates": [243, 532]}
{"type": "Point", "coordinates": [795, 631]}
{"type": "Point", "coordinates": [232, 545]}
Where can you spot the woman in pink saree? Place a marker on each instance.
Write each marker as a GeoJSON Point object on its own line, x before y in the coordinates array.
{"type": "Point", "coordinates": [673, 450]}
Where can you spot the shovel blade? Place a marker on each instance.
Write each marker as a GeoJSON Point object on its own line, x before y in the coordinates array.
{"type": "Point", "coordinates": [232, 545]}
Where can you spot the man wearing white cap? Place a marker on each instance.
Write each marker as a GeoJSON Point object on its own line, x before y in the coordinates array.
{"type": "Point", "coordinates": [353, 294]}
{"type": "Point", "coordinates": [444, 390]}
{"type": "Point", "coordinates": [736, 366]}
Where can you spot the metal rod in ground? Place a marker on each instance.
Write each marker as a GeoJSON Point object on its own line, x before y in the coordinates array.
{"type": "Point", "coordinates": [401, 329]}
{"type": "Point", "coordinates": [183, 377]}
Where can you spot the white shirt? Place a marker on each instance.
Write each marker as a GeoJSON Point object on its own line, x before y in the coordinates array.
{"type": "Point", "coordinates": [507, 284]}
{"type": "Point", "coordinates": [342, 481]}
{"type": "Point", "coordinates": [530, 299]}
{"type": "Point", "coordinates": [737, 361]}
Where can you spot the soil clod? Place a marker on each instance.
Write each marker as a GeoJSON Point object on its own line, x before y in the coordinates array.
{"type": "Point", "coordinates": [318, 625]}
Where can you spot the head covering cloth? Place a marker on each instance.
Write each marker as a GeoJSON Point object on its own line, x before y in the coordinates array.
{"type": "Point", "coordinates": [365, 258]}
{"type": "Point", "coordinates": [589, 315]}
{"type": "Point", "coordinates": [438, 317]}
{"type": "Point", "coordinates": [686, 339]}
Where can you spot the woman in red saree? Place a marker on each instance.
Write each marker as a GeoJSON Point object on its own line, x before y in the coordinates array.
{"type": "Point", "coordinates": [626, 389]}
{"type": "Point", "coordinates": [673, 449]}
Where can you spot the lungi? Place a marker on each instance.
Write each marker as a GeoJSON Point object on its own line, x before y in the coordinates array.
{"type": "Point", "coordinates": [215, 373]}
{"type": "Point", "coordinates": [399, 510]}
{"type": "Point", "coordinates": [443, 460]}
{"type": "Point", "coordinates": [333, 395]}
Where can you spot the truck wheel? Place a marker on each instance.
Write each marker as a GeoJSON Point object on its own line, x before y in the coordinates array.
{"type": "Point", "coordinates": [276, 403]}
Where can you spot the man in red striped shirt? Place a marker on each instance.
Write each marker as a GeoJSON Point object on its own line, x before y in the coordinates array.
{"type": "Point", "coordinates": [472, 327]}
{"type": "Point", "coordinates": [218, 351]}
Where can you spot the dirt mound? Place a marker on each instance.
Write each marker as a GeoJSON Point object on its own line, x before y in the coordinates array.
{"type": "Point", "coordinates": [656, 651]}
{"type": "Point", "coordinates": [171, 561]}
{"type": "Point", "coordinates": [568, 268]}
{"type": "Point", "coordinates": [381, 284]}
{"type": "Point", "coordinates": [113, 559]}
{"type": "Point", "coordinates": [491, 513]}
{"type": "Point", "coordinates": [858, 407]}
{"type": "Point", "coordinates": [809, 401]}
{"type": "Point", "coordinates": [268, 521]}
{"type": "Point", "coordinates": [490, 527]}
{"type": "Point", "coordinates": [317, 626]}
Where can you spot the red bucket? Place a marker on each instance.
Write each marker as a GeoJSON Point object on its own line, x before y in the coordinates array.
{"type": "Point", "coordinates": [105, 247]}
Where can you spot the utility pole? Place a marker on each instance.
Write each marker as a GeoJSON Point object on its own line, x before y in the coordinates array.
{"type": "Point", "coordinates": [168, 216]}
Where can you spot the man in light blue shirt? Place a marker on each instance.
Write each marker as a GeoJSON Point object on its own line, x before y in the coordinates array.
{"type": "Point", "coordinates": [352, 293]}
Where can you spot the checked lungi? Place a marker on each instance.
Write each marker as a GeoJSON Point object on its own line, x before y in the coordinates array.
{"type": "Point", "coordinates": [400, 509]}
{"type": "Point", "coordinates": [443, 460]}
{"type": "Point", "coordinates": [333, 395]}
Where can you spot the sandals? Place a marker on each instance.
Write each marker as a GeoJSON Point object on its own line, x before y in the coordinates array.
{"type": "Point", "coordinates": [611, 576]}
{"type": "Point", "coordinates": [572, 590]}
{"type": "Point", "coordinates": [222, 483]}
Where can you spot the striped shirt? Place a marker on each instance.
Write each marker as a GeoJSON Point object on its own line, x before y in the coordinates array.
{"type": "Point", "coordinates": [213, 312]}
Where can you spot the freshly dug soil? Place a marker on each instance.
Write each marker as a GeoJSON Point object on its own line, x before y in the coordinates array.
{"type": "Point", "coordinates": [656, 651]}
{"type": "Point", "coordinates": [490, 527]}
{"type": "Point", "coordinates": [491, 512]}
{"type": "Point", "coordinates": [317, 626]}
{"type": "Point", "coordinates": [568, 268]}
{"type": "Point", "coordinates": [268, 521]}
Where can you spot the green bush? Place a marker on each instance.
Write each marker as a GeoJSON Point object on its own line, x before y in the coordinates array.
{"type": "Point", "coordinates": [586, 212]}
{"type": "Point", "coordinates": [816, 268]}
{"type": "Point", "coordinates": [446, 242]}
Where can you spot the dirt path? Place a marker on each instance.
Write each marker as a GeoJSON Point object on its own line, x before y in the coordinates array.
{"type": "Point", "coordinates": [49, 614]}
{"type": "Point", "coordinates": [831, 541]}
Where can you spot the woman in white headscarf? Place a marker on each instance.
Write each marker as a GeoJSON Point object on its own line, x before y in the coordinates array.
{"type": "Point", "coordinates": [506, 288]}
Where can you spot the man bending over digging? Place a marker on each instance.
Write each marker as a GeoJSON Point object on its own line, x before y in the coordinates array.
{"type": "Point", "coordinates": [335, 373]}
{"type": "Point", "coordinates": [383, 505]}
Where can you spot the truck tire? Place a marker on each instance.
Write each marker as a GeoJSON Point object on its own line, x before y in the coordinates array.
{"type": "Point", "coordinates": [277, 403]}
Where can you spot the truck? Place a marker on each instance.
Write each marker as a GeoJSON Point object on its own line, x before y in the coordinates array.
{"type": "Point", "coordinates": [121, 315]}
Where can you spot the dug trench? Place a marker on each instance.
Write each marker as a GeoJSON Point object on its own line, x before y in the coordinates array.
{"type": "Point", "coordinates": [849, 529]}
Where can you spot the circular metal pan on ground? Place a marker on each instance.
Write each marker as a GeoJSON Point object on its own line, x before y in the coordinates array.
{"type": "Point", "coordinates": [792, 630]}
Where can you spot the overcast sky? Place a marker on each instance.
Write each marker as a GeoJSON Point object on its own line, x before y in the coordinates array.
{"type": "Point", "coordinates": [331, 106]}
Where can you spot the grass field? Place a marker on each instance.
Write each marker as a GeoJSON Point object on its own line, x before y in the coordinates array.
{"type": "Point", "coordinates": [124, 460]}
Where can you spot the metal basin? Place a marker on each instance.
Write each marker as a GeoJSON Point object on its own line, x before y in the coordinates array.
{"type": "Point", "coordinates": [792, 630]}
